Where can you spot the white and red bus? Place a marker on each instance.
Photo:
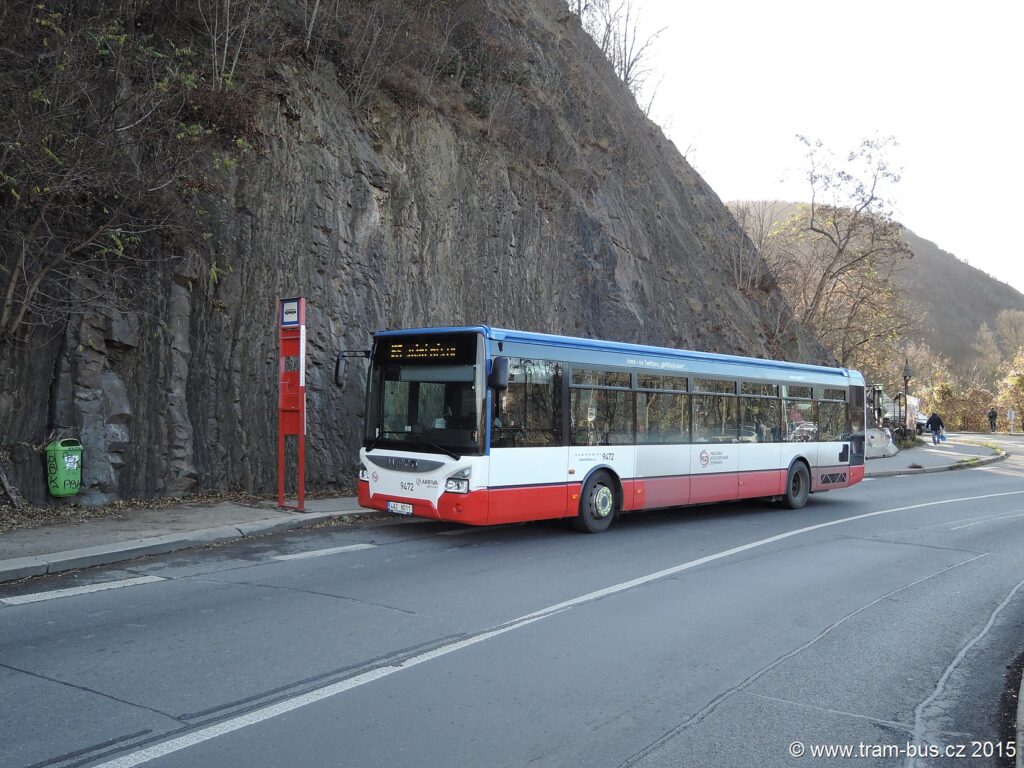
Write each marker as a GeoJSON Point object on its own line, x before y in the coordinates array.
{"type": "Point", "coordinates": [484, 426]}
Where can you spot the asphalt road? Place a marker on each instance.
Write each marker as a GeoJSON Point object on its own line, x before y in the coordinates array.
{"type": "Point", "coordinates": [876, 617]}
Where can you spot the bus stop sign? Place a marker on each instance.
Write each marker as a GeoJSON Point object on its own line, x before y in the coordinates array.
{"type": "Point", "coordinates": [291, 400]}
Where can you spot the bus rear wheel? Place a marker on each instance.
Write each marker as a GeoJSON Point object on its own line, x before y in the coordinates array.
{"type": "Point", "coordinates": [798, 486]}
{"type": "Point", "coordinates": [599, 503]}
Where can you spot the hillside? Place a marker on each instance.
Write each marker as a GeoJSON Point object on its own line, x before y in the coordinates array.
{"type": "Point", "coordinates": [480, 164]}
{"type": "Point", "coordinates": [954, 297]}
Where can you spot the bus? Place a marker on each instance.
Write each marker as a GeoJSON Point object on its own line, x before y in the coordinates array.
{"type": "Point", "coordinates": [485, 426]}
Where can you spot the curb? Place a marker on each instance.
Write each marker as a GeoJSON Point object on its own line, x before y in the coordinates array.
{"type": "Point", "coordinates": [105, 554]}
{"type": "Point", "coordinates": [948, 468]}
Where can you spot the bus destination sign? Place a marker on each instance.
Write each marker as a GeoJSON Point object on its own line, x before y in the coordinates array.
{"type": "Point", "coordinates": [429, 349]}
{"type": "Point", "coordinates": [434, 350]}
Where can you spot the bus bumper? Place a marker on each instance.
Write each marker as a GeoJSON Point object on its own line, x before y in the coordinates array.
{"type": "Point", "coordinates": [468, 508]}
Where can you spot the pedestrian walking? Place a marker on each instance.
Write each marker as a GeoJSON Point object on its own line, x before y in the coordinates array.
{"type": "Point", "coordinates": [935, 426]}
{"type": "Point", "coordinates": [992, 416]}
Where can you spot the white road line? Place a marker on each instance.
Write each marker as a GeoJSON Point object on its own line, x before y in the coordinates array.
{"type": "Point", "coordinates": [288, 705]}
{"type": "Point", "coordinates": [987, 520]}
{"type": "Point", "coordinates": [962, 520]}
{"type": "Point", "coordinates": [266, 713]}
{"type": "Point", "coordinates": [322, 552]}
{"type": "Point", "coordinates": [38, 597]}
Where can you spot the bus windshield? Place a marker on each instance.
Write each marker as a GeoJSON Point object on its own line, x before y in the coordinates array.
{"type": "Point", "coordinates": [425, 394]}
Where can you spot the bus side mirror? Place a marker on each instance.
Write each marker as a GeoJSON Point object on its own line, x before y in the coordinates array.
{"type": "Point", "coordinates": [343, 356]}
{"type": "Point", "coordinates": [498, 379]}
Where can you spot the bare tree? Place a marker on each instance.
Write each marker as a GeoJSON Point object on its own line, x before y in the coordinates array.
{"type": "Point", "coordinates": [987, 357]}
{"type": "Point", "coordinates": [310, 22]}
{"type": "Point", "coordinates": [849, 215]}
{"type": "Point", "coordinates": [1011, 384]}
{"type": "Point", "coordinates": [853, 306]}
{"type": "Point", "coordinates": [227, 24]}
{"type": "Point", "coordinates": [747, 260]}
{"type": "Point", "coordinates": [615, 27]}
{"type": "Point", "coordinates": [1010, 331]}
{"type": "Point", "coordinates": [391, 46]}
{"type": "Point", "coordinates": [835, 258]}
{"type": "Point", "coordinates": [630, 53]}
{"type": "Point", "coordinates": [376, 49]}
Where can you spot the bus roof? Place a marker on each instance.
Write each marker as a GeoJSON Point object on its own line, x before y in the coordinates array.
{"type": "Point", "coordinates": [596, 345]}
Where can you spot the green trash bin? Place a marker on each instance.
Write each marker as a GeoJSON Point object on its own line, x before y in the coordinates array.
{"type": "Point", "coordinates": [64, 467]}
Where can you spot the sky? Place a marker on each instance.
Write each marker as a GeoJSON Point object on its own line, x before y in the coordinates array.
{"type": "Point", "coordinates": [739, 79]}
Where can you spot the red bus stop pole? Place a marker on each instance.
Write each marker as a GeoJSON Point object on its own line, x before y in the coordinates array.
{"type": "Point", "coordinates": [291, 402]}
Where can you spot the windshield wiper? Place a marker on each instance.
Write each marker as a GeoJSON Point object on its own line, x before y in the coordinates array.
{"type": "Point", "coordinates": [441, 448]}
{"type": "Point", "coordinates": [372, 444]}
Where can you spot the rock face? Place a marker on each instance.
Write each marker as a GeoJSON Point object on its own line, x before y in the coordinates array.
{"type": "Point", "coordinates": [565, 211]}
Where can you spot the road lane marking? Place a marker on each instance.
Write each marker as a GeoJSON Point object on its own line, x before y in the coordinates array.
{"type": "Point", "coordinates": [230, 725]}
{"type": "Point", "coordinates": [752, 545]}
{"type": "Point", "coordinates": [38, 597]}
{"type": "Point", "coordinates": [288, 705]}
{"type": "Point", "coordinates": [962, 520]}
{"type": "Point", "coordinates": [987, 520]}
{"type": "Point", "coordinates": [322, 552]}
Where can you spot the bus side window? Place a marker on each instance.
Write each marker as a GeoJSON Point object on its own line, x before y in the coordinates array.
{"type": "Point", "coordinates": [662, 417]}
{"type": "Point", "coordinates": [760, 419]}
{"type": "Point", "coordinates": [833, 421]}
{"type": "Point", "coordinates": [602, 416]}
{"type": "Point", "coordinates": [715, 419]}
{"type": "Point", "coordinates": [543, 403]}
{"type": "Point", "coordinates": [530, 411]}
{"type": "Point", "coordinates": [801, 421]}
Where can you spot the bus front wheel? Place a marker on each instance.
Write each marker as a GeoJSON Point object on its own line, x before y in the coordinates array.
{"type": "Point", "coordinates": [599, 503]}
{"type": "Point", "coordinates": [798, 486]}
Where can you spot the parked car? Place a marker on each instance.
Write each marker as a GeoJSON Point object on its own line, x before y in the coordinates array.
{"type": "Point", "coordinates": [922, 422]}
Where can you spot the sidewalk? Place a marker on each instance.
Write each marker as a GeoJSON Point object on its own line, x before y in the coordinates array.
{"type": "Point", "coordinates": [64, 547]}
{"type": "Point", "coordinates": [923, 459]}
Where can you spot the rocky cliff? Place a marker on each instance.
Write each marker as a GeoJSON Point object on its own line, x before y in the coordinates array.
{"type": "Point", "coordinates": [545, 201]}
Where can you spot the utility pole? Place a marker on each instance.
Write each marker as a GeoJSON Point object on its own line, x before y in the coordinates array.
{"type": "Point", "coordinates": [906, 391]}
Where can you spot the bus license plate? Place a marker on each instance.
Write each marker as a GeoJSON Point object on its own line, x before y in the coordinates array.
{"type": "Point", "coordinates": [399, 507]}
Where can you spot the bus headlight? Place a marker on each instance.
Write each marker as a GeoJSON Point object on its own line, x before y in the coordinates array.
{"type": "Point", "coordinates": [364, 475]}
{"type": "Point", "coordinates": [459, 482]}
